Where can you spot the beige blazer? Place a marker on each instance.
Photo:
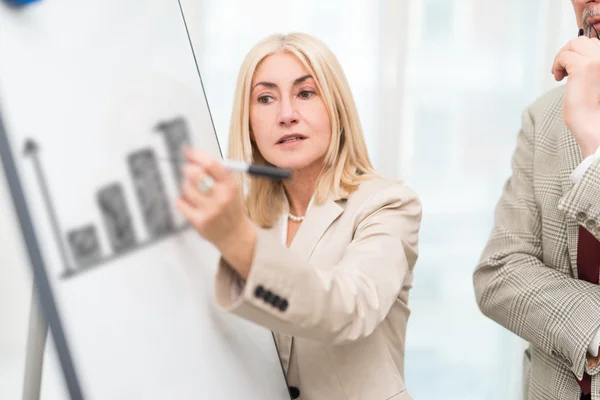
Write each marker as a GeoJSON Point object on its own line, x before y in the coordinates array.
{"type": "Point", "coordinates": [337, 299]}
{"type": "Point", "coordinates": [526, 278]}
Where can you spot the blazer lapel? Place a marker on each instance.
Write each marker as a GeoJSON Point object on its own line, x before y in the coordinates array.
{"type": "Point", "coordinates": [318, 218]}
{"type": "Point", "coordinates": [572, 157]}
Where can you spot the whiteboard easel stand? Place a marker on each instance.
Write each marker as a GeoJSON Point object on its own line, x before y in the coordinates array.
{"type": "Point", "coordinates": [34, 356]}
{"type": "Point", "coordinates": [44, 312]}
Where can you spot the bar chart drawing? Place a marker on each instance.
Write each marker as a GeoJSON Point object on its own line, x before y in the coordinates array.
{"type": "Point", "coordinates": [117, 218]}
{"type": "Point", "coordinates": [151, 197]}
{"type": "Point", "coordinates": [151, 194]}
{"type": "Point", "coordinates": [176, 136]}
{"type": "Point", "coordinates": [85, 245]}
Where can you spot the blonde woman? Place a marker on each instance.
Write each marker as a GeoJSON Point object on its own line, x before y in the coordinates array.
{"type": "Point", "coordinates": [325, 259]}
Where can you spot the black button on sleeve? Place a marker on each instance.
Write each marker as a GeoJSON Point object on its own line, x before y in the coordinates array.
{"type": "Point", "coordinates": [294, 392]}
{"type": "Point", "coordinates": [268, 296]}
{"type": "Point", "coordinates": [259, 291]}
{"type": "Point", "coordinates": [275, 301]}
{"type": "Point", "coordinates": [283, 305]}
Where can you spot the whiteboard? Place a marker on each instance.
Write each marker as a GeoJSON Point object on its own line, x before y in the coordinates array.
{"type": "Point", "coordinates": [95, 99]}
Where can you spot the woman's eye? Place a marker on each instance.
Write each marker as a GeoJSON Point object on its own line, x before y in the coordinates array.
{"type": "Point", "coordinates": [306, 94]}
{"type": "Point", "coordinates": [265, 99]}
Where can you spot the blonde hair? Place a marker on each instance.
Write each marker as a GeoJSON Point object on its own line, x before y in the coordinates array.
{"type": "Point", "coordinates": [346, 162]}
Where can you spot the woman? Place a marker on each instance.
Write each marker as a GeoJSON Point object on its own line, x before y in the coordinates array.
{"type": "Point", "coordinates": [324, 259]}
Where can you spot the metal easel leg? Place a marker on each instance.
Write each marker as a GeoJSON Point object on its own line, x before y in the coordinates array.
{"type": "Point", "coordinates": [36, 341]}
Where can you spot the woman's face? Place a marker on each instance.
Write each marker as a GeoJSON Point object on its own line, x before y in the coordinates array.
{"type": "Point", "coordinates": [288, 118]}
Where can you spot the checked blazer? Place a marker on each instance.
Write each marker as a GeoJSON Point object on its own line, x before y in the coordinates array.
{"type": "Point", "coordinates": [526, 279]}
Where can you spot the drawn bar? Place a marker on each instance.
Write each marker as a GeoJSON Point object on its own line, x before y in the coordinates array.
{"type": "Point", "coordinates": [151, 193]}
{"type": "Point", "coordinates": [177, 137]}
{"type": "Point", "coordinates": [85, 245]}
{"type": "Point", "coordinates": [117, 218]}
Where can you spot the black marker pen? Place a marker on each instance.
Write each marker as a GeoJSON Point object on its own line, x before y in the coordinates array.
{"type": "Point", "coordinates": [252, 169]}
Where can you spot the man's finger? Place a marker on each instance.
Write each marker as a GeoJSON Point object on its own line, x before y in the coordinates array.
{"type": "Point", "coordinates": [583, 46]}
{"type": "Point", "coordinates": [596, 42]}
{"type": "Point", "coordinates": [565, 63]}
{"type": "Point", "coordinates": [580, 45]}
{"type": "Point", "coordinates": [559, 51]}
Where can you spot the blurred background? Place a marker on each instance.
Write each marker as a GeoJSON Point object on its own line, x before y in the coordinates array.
{"type": "Point", "coordinates": [440, 86]}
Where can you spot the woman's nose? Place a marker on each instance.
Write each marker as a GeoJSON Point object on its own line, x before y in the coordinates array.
{"type": "Point", "coordinates": [287, 113]}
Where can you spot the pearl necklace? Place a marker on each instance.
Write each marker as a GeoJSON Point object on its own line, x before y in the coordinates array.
{"type": "Point", "coordinates": [295, 218]}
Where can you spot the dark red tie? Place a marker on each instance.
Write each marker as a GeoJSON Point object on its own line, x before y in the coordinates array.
{"type": "Point", "coordinates": [588, 269]}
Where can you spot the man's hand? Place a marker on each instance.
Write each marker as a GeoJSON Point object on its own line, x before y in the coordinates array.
{"type": "Point", "coordinates": [592, 361]}
{"type": "Point", "coordinates": [580, 61]}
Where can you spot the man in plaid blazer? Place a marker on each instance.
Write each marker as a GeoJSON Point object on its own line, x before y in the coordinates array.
{"type": "Point", "coordinates": [527, 279]}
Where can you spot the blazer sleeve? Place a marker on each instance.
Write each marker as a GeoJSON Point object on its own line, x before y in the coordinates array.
{"type": "Point", "coordinates": [339, 304]}
{"type": "Point", "coordinates": [582, 201]}
{"type": "Point", "coordinates": [551, 310]}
